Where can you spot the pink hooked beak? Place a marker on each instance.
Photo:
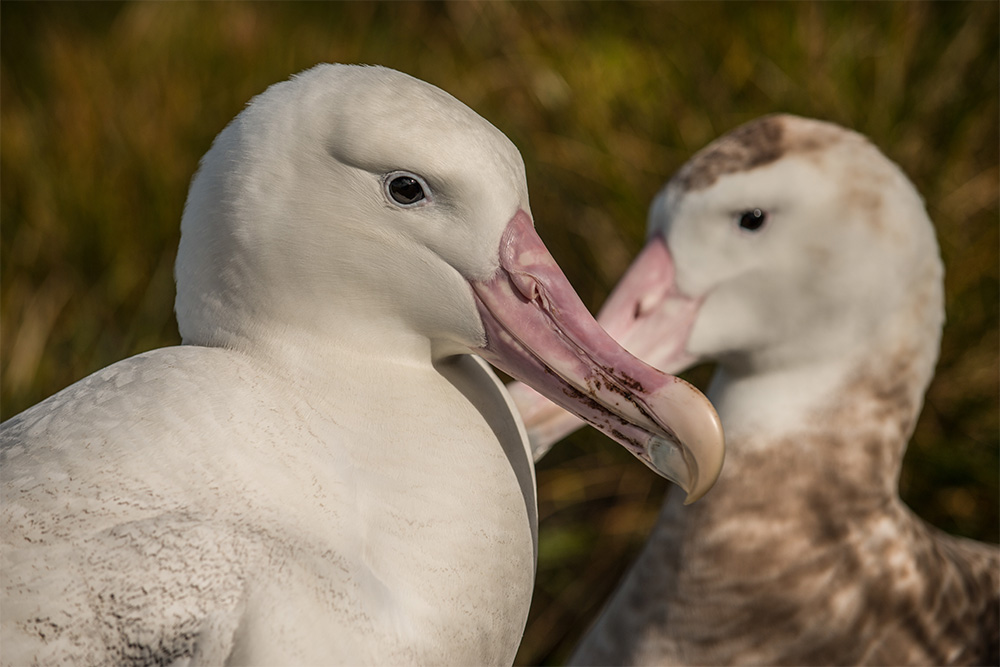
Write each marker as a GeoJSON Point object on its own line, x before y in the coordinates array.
{"type": "Point", "coordinates": [538, 331]}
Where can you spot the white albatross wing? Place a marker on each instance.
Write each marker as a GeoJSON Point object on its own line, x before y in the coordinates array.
{"type": "Point", "coordinates": [276, 495]}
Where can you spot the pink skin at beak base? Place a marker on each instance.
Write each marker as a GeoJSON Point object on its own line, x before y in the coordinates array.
{"type": "Point", "coordinates": [539, 332]}
{"type": "Point", "coordinates": [647, 314]}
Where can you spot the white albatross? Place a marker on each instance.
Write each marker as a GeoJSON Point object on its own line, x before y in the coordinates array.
{"type": "Point", "coordinates": [802, 261]}
{"type": "Point", "coordinates": [322, 473]}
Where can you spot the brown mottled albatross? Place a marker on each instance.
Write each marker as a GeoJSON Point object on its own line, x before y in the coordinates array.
{"type": "Point", "coordinates": [799, 258]}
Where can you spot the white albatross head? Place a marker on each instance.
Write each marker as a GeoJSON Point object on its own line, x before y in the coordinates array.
{"type": "Point", "coordinates": [787, 242]}
{"type": "Point", "coordinates": [360, 208]}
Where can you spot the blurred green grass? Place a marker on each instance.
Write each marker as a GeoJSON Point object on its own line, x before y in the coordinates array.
{"type": "Point", "coordinates": [106, 108]}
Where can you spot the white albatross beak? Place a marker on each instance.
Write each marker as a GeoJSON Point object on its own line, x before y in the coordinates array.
{"type": "Point", "coordinates": [538, 331]}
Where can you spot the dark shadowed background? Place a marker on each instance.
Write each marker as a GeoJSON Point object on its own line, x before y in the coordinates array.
{"type": "Point", "coordinates": [106, 108]}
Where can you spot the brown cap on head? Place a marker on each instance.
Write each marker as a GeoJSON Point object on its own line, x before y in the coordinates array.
{"type": "Point", "coordinates": [754, 144]}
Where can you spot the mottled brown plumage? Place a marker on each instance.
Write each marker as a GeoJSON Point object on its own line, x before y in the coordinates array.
{"type": "Point", "coordinates": [804, 555]}
{"type": "Point", "coordinates": [825, 323]}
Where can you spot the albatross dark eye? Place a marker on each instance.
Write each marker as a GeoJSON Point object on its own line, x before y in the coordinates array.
{"type": "Point", "coordinates": [405, 190]}
{"type": "Point", "coordinates": [752, 220]}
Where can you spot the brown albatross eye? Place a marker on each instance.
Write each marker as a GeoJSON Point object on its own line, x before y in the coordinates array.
{"type": "Point", "coordinates": [405, 190]}
{"type": "Point", "coordinates": [752, 220]}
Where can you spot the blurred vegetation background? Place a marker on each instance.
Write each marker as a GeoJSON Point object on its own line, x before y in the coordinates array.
{"type": "Point", "coordinates": [106, 109]}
